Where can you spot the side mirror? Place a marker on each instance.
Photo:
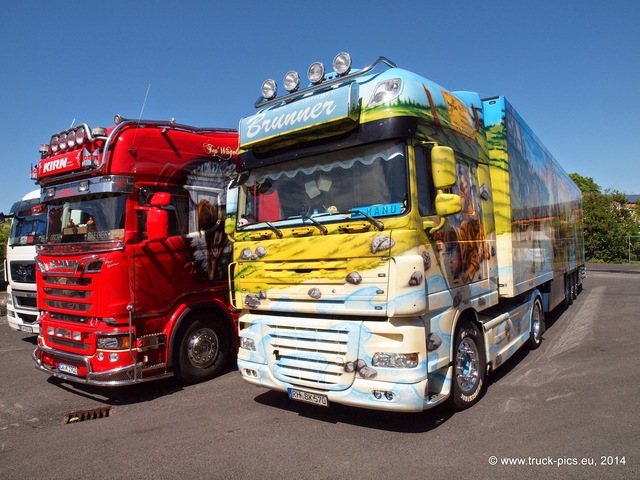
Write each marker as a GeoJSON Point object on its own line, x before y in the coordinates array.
{"type": "Point", "coordinates": [446, 204]}
{"type": "Point", "coordinates": [229, 225]}
{"type": "Point", "coordinates": [443, 166]}
{"type": "Point", "coordinates": [157, 218]}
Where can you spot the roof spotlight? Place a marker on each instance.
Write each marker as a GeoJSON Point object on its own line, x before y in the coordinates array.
{"type": "Point", "coordinates": [316, 72]}
{"type": "Point", "coordinates": [342, 63]}
{"type": "Point", "coordinates": [291, 81]}
{"type": "Point", "coordinates": [80, 136]}
{"type": "Point", "coordinates": [269, 89]}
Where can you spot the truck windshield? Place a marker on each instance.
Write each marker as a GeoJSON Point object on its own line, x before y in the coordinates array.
{"type": "Point", "coordinates": [29, 226]}
{"type": "Point", "coordinates": [87, 219]}
{"type": "Point", "coordinates": [366, 180]}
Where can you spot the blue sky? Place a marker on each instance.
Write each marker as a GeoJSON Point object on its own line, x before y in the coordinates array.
{"type": "Point", "coordinates": [570, 67]}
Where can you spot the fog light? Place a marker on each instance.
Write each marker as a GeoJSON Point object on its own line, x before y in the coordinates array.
{"type": "Point", "coordinates": [100, 356]}
{"type": "Point", "coordinates": [50, 331]}
{"type": "Point", "coordinates": [383, 395]}
{"type": "Point", "coordinates": [114, 357]}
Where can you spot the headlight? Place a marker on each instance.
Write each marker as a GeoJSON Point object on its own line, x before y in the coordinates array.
{"type": "Point", "coordinates": [386, 91]}
{"type": "Point", "coordinates": [395, 360]}
{"type": "Point", "coordinates": [247, 344]}
{"type": "Point", "coordinates": [114, 343]}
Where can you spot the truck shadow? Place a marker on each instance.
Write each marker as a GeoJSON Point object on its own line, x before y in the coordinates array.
{"type": "Point", "coordinates": [130, 394]}
{"type": "Point", "coordinates": [551, 318]}
{"type": "Point", "coordinates": [400, 422]}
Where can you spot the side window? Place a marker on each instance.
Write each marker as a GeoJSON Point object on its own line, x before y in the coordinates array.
{"type": "Point", "coordinates": [426, 190]}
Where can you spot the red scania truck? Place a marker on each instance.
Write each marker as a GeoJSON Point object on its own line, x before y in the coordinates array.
{"type": "Point", "coordinates": [132, 273]}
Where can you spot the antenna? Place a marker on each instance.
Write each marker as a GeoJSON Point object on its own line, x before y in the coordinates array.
{"type": "Point", "coordinates": [145, 101]}
{"type": "Point", "coordinates": [72, 123]}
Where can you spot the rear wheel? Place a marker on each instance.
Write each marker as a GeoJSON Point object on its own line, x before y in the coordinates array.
{"type": "Point", "coordinates": [470, 366]}
{"type": "Point", "coordinates": [537, 325]}
{"type": "Point", "coordinates": [568, 296]}
{"type": "Point", "coordinates": [203, 349]}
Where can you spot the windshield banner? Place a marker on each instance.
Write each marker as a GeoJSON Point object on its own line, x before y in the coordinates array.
{"type": "Point", "coordinates": [317, 110]}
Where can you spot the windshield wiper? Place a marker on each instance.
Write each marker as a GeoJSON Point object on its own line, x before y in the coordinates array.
{"type": "Point", "coordinates": [320, 226]}
{"type": "Point", "coordinates": [376, 223]}
{"type": "Point", "coordinates": [274, 229]}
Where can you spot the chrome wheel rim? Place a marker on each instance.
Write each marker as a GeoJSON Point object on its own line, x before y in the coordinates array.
{"type": "Point", "coordinates": [467, 361]}
{"type": "Point", "coordinates": [203, 348]}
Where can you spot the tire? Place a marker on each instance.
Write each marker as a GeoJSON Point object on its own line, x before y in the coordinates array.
{"type": "Point", "coordinates": [537, 325]}
{"type": "Point", "coordinates": [469, 366]}
{"type": "Point", "coordinates": [202, 349]}
{"type": "Point", "coordinates": [568, 295]}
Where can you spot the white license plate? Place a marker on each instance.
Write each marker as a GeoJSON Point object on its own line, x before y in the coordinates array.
{"type": "Point", "coordinates": [24, 328]}
{"type": "Point", "coordinates": [308, 397]}
{"type": "Point", "coordinates": [72, 369]}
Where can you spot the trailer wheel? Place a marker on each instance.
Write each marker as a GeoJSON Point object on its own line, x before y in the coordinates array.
{"type": "Point", "coordinates": [469, 366]}
{"type": "Point", "coordinates": [568, 297]}
{"type": "Point", "coordinates": [537, 325]}
{"type": "Point", "coordinates": [203, 349]}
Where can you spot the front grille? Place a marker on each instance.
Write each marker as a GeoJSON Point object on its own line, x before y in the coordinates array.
{"type": "Point", "coordinates": [67, 293]}
{"type": "Point", "coordinates": [29, 318]}
{"type": "Point", "coordinates": [26, 300]}
{"type": "Point", "coordinates": [80, 307]}
{"type": "Point", "coordinates": [313, 357]}
{"type": "Point", "coordinates": [68, 343]}
{"type": "Point", "coordinates": [23, 272]}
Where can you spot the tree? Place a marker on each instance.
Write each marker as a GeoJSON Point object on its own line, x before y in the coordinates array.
{"type": "Point", "coordinates": [4, 237]}
{"type": "Point", "coordinates": [585, 184]}
{"type": "Point", "coordinates": [608, 222]}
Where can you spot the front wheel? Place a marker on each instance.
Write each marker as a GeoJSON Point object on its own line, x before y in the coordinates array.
{"type": "Point", "coordinates": [203, 349]}
{"type": "Point", "coordinates": [470, 366]}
